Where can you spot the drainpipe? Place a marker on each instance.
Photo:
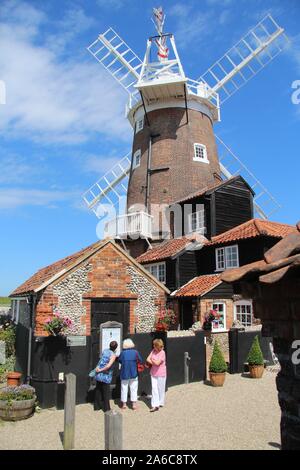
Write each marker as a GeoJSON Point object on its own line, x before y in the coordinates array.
{"type": "Point", "coordinates": [32, 304]}
{"type": "Point", "coordinates": [148, 173]}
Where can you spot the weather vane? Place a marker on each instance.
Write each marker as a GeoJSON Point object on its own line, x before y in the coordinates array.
{"type": "Point", "coordinates": [158, 19]}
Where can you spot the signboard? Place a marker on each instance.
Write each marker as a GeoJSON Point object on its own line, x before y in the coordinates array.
{"type": "Point", "coordinates": [2, 352]}
{"type": "Point", "coordinates": [111, 331]}
{"type": "Point", "coordinates": [76, 341]}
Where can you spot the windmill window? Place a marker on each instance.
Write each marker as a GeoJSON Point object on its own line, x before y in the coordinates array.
{"type": "Point", "coordinates": [227, 258]}
{"type": "Point", "coordinates": [197, 222]}
{"type": "Point", "coordinates": [200, 153]}
{"type": "Point", "coordinates": [139, 125]}
{"type": "Point", "coordinates": [136, 159]}
{"type": "Point", "coordinates": [158, 270]}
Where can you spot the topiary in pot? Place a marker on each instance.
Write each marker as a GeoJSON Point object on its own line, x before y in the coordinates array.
{"type": "Point", "coordinates": [255, 360]}
{"type": "Point", "coordinates": [217, 367]}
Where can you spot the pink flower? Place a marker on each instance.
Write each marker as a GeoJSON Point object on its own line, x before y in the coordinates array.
{"type": "Point", "coordinates": [48, 320]}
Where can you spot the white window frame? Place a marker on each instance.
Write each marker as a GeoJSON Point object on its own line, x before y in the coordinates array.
{"type": "Point", "coordinates": [240, 303]}
{"type": "Point", "coordinates": [200, 216]}
{"type": "Point", "coordinates": [156, 268]}
{"type": "Point", "coordinates": [139, 126]}
{"type": "Point", "coordinates": [196, 158]}
{"type": "Point", "coordinates": [219, 302]}
{"type": "Point", "coordinates": [225, 263]}
{"type": "Point", "coordinates": [136, 156]}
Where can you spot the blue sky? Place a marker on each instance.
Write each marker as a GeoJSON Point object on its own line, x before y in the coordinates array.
{"type": "Point", "coordinates": [63, 122]}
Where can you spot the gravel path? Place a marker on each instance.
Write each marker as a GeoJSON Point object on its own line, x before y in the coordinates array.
{"type": "Point", "coordinates": [244, 414]}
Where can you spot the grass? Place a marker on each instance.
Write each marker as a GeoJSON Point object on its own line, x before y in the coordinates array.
{"type": "Point", "coordinates": [5, 301]}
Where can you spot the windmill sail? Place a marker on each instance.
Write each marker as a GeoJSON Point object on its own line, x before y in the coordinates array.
{"type": "Point", "coordinates": [244, 60]}
{"type": "Point", "coordinates": [117, 58]}
{"type": "Point", "coordinates": [264, 203]}
{"type": "Point", "coordinates": [110, 188]}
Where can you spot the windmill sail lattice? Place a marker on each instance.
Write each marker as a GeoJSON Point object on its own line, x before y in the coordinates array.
{"type": "Point", "coordinates": [264, 203]}
{"type": "Point", "coordinates": [110, 188]}
{"type": "Point", "coordinates": [117, 58]}
{"type": "Point", "coordinates": [246, 58]}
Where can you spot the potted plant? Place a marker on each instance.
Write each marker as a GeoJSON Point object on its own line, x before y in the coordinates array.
{"type": "Point", "coordinates": [57, 325]}
{"type": "Point", "coordinates": [217, 367]}
{"type": "Point", "coordinates": [255, 360]}
{"type": "Point", "coordinates": [17, 402]}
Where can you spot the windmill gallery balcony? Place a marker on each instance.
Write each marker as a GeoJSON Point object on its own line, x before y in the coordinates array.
{"type": "Point", "coordinates": [134, 225]}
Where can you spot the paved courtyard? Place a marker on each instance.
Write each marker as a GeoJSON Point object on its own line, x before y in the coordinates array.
{"type": "Point", "coordinates": [244, 414]}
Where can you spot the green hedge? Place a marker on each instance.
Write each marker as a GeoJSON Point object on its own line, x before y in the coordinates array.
{"type": "Point", "coordinates": [9, 336]}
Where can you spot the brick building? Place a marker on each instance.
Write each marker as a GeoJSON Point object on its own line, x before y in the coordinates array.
{"type": "Point", "coordinates": [97, 284]}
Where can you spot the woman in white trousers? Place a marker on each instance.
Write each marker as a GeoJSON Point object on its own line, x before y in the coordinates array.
{"type": "Point", "coordinates": [129, 373]}
{"type": "Point", "coordinates": [158, 372]}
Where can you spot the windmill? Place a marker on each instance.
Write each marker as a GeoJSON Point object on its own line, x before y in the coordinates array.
{"type": "Point", "coordinates": [168, 111]}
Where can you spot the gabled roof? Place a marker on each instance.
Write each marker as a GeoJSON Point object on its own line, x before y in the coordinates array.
{"type": "Point", "coordinates": [210, 189]}
{"type": "Point", "coordinates": [198, 286]}
{"type": "Point", "coordinates": [165, 250]}
{"type": "Point", "coordinates": [251, 229]}
{"type": "Point", "coordinates": [45, 276]}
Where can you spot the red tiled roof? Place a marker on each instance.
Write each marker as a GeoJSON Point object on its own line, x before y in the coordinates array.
{"type": "Point", "coordinates": [199, 286]}
{"type": "Point", "coordinates": [44, 274]}
{"type": "Point", "coordinates": [164, 250]}
{"type": "Point", "coordinates": [253, 228]}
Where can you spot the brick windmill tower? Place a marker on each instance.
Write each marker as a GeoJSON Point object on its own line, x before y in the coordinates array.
{"type": "Point", "coordinates": [174, 151]}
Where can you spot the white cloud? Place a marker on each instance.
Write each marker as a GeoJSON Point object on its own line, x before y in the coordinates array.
{"type": "Point", "coordinates": [111, 4]}
{"type": "Point", "coordinates": [52, 98]}
{"type": "Point", "coordinates": [13, 198]}
{"type": "Point", "coordinates": [14, 169]}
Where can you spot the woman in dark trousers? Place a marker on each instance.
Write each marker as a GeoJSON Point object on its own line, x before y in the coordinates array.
{"type": "Point", "coordinates": [104, 373]}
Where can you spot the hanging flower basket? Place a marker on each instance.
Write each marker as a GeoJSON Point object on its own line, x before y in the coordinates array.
{"type": "Point", "coordinates": [164, 320]}
{"type": "Point", "coordinates": [57, 325]}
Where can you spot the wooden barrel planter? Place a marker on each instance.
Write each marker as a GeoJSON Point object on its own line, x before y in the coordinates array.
{"type": "Point", "coordinates": [256, 372]}
{"type": "Point", "coordinates": [16, 410]}
{"type": "Point", "coordinates": [217, 379]}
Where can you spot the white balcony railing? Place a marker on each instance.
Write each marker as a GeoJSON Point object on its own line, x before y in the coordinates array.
{"type": "Point", "coordinates": [134, 225]}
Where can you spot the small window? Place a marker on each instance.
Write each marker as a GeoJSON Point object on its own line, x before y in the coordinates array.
{"type": "Point", "coordinates": [219, 323]}
{"type": "Point", "coordinates": [139, 125]}
{"type": "Point", "coordinates": [197, 222]}
{"type": "Point", "coordinates": [136, 159]}
{"type": "Point", "coordinates": [227, 258]}
{"type": "Point", "coordinates": [158, 270]}
{"type": "Point", "coordinates": [243, 312]}
{"type": "Point", "coordinates": [200, 153]}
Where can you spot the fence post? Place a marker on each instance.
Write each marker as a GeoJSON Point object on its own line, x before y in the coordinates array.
{"type": "Point", "coordinates": [69, 414]}
{"type": "Point", "coordinates": [113, 429]}
{"type": "Point", "coordinates": [186, 367]}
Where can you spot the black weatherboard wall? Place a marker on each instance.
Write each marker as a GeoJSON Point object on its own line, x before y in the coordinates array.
{"type": "Point", "coordinates": [240, 343]}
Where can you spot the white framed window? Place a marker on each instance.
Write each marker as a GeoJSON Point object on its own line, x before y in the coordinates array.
{"type": "Point", "coordinates": [136, 159]}
{"type": "Point", "coordinates": [139, 125]}
{"type": "Point", "coordinates": [158, 270]}
{"type": "Point", "coordinates": [197, 221]}
{"type": "Point", "coordinates": [200, 153]}
{"type": "Point", "coordinates": [227, 257]}
{"type": "Point", "coordinates": [243, 312]}
{"type": "Point", "coordinates": [219, 324]}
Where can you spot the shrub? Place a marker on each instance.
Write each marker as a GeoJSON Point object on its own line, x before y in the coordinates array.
{"type": "Point", "coordinates": [217, 363]}
{"type": "Point", "coordinates": [8, 335]}
{"type": "Point", "coordinates": [22, 392]}
{"type": "Point", "coordinates": [9, 366]}
{"type": "Point", "coordinates": [255, 356]}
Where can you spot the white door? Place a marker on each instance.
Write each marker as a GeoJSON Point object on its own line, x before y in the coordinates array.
{"type": "Point", "coordinates": [219, 324]}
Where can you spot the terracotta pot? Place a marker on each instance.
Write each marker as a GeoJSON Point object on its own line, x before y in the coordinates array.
{"type": "Point", "coordinates": [217, 379]}
{"type": "Point", "coordinates": [13, 379]}
{"type": "Point", "coordinates": [16, 409]}
{"type": "Point", "coordinates": [256, 372]}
